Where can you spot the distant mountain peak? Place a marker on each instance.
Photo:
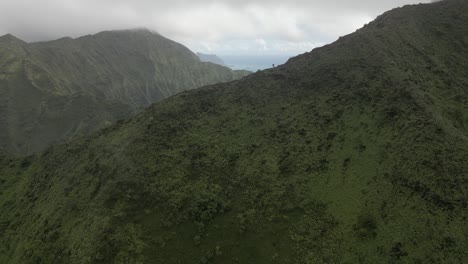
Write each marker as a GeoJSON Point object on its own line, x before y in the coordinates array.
{"type": "Point", "coordinates": [213, 58]}
{"type": "Point", "coordinates": [9, 38]}
{"type": "Point", "coordinates": [125, 68]}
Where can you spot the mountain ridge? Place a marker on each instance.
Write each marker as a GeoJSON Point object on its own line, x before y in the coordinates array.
{"type": "Point", "coordinates": [352, 153]}
{"type": "Point", "coordinates": [213, 58]}
{"type": "Point", "coordinates": [132, 68]}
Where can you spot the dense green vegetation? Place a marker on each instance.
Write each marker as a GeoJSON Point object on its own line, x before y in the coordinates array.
{"type": "Point", "coordinates": [353, 153]}
{"type": "Point", "coordinates": [53, 91]}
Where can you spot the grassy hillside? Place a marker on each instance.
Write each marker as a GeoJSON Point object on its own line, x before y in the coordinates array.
{"type": "Point", "coordinates": [112, 73]}
{"type": "Point", "coordinates": [353, 153]}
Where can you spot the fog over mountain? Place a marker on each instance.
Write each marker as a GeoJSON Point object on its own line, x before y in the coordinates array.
{"type": "Point", "coordinates": [219, 27]}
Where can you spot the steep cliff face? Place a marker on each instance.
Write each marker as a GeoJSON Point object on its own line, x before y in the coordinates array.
{"type": "Point", "coordinates": [113, 73]}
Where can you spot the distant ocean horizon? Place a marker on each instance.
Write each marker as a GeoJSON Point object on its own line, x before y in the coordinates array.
{"type": "Point", "coordinates": [253, 63]}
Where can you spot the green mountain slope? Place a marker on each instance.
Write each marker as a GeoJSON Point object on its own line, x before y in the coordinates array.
{"type": "Point", "coordinates": [112, 73]}
{"type": "Point", "coordinates": [353, 153]}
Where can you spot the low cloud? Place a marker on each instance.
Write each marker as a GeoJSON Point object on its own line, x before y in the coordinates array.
{"type": "Point", "coordinates": [268, 26]}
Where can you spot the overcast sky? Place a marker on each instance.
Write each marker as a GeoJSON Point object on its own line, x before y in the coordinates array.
{"type": "Point", "coordinates": [211, 26]}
